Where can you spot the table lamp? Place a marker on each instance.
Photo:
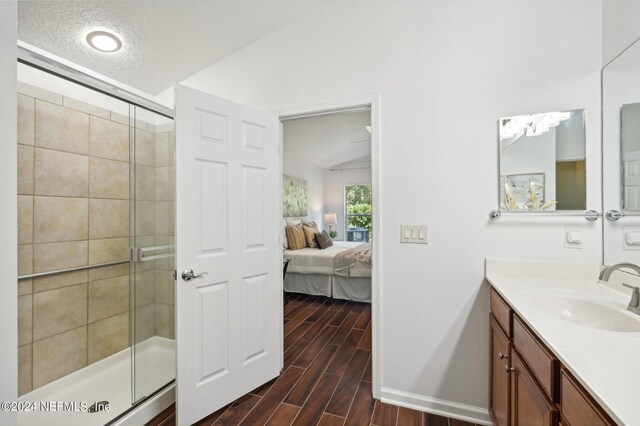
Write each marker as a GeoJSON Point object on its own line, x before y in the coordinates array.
{"type": "Point", "coordinates": [330, 219]}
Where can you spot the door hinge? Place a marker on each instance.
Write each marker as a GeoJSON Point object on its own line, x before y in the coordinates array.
{"type": "Point", "coordinates": [175, 274]}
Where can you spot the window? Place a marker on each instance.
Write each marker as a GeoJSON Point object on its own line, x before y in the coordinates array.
{"type": "Point", "coordinates": [358, 212]}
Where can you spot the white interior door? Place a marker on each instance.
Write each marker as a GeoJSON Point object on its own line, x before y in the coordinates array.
{"type": "Point", "coordinates": [228, 317]}
{"type": "Point", "coordinates": [632, 180]}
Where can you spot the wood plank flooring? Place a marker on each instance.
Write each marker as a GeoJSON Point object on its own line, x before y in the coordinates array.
{"type": "Point", "coordinates": [326, 379]}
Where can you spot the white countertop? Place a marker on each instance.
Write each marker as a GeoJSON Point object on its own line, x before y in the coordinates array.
{"type": "Point", "coordinates": [607, 363]}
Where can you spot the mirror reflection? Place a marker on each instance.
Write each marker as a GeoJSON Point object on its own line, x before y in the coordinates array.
{"type": "Point", "coordinates": [542, 162]}
{"type": "Point", "coordinates": [630, 156]}
{"type": "Point", "coordinates": [621, 157]}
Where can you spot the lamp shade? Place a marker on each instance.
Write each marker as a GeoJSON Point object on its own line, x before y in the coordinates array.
{"type": "Point", "coordinates": [330, 218]}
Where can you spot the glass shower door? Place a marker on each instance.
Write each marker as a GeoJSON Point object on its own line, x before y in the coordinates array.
{"type": "Point", "coordinates": [152, 251]}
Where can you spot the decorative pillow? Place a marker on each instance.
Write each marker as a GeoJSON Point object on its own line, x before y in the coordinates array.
{"type": "Point", "coordinates": [324, 240]}
{"type": "Point", "coordinates": [312, 224]}
{"type": "Point", "coordinates": [310, 236]}
{"type": "Point", "coordinates": [288, 221]}
{"type": "Point", "coordinates": [295, 237]}
{"type": "Point", "coordinates": [306, 220]}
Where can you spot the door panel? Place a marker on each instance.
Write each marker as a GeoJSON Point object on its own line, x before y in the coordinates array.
{"type": "Point", "coordinates": [256, 288]}
{"type": "Point", "coordinates": [213, 202]}
{"type": "Point", "coordinates": [254, 187]}
{"type": "Point", "coordinates": [213, 323]}
{"type": "Point", "coordinates": [228, 215]}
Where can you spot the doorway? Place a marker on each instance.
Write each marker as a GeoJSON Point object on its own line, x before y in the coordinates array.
{"type": "Point", "coordinates": [230, 169]}
{"type": "Point", "coordinates": [369, 103]}
{"type": "Point", "coordinates": [328, 362]}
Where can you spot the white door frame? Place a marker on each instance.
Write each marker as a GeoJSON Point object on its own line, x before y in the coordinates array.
{"type": "Point", "coordinates": [374, 102]}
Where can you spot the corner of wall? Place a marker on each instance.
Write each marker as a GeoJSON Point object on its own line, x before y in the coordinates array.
{"type": "Point", "coordinates": [8, 214]}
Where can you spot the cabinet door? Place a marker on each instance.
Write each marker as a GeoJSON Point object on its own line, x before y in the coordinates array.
{"type": "Point", "coordinates": [499, 379]}
{"type": "Point", "coordinates": [578, 408]}
{"type": "Point", "coordinates": [530, 406]}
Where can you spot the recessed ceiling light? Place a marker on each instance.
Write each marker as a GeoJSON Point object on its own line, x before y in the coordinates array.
{"type": "Point", "coordinates": [104, 41]}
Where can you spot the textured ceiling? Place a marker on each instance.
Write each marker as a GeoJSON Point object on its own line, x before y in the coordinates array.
{"type": "Point", "coordinates": [163, 41]}
{"type": "Point", "coordinates": [329, 140]}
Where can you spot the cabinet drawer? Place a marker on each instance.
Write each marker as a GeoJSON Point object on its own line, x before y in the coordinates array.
{"type": "Point", "coordinates": [501, 312]}
{"type": "Point", "coordinates": [541, 362]}
{"type": "Point", "coordinates": [577, 407]}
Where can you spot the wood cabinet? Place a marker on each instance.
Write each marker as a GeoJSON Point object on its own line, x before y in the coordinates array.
{"type": "Point", "coordinates": [578, 408]}
{"type": "Point", "coordinates": [500, 380]}
{"type": "Point", "coordinates": [528, 384]}
{"type": "Point", "coordinates": [542, 363]}
{"type": "Point", "coordinates": [530, 404]}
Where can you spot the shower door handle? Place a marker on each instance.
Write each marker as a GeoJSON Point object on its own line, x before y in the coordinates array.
{"type": "Point", "coordinates": [188, 274]}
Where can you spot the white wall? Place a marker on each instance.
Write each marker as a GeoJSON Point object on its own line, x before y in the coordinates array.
{"type": "Point", "coordinates": [446, 71]}
{"type": "Point", "coordinates": [314, 175]}
{"type": "Point", "coordinates": [8, 212]}
{"type": "Point", "coordinates": [619, 26]}
{"type": "Point", "coordinates": [334, 183]}
{"type": "Point", "coordinates": [570, 138]}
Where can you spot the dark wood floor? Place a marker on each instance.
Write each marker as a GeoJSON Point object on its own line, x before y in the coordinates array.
{"type": "Point", "coordinates": [326, 379]}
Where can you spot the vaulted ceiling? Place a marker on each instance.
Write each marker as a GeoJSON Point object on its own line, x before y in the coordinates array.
{"type": "Point", "coordinates": [163, 41]}
{"type": "Point", "coordinates": [331, 139]}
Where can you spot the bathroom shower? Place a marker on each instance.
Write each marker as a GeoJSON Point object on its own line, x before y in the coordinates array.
{"type": "Point", "coordinates": [96, 297]}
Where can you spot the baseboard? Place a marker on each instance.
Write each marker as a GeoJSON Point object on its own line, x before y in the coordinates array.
{"type": "Point", "coordinates": [440, 407]}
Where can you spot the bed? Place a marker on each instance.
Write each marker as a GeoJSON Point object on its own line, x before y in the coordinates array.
{"type": "Point", "coordinates": [342, 271]}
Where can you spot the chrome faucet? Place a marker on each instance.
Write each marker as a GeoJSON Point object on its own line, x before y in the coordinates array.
{"type": "Point", "coordinates": [609, 269]}
{"type": "Point", "coordinates": [634, 304]}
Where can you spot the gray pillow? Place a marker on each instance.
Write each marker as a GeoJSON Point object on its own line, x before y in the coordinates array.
{"type": "Point", "coordinates": [324, 240]}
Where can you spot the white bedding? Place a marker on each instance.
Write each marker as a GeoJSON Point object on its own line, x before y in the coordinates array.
{"type": "Point", "coordinates": [316, 261]}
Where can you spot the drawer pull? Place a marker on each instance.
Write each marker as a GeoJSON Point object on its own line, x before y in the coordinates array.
{"type": "Point", "coordinates": [502, 356]}
{"type": "Point", "coordinates": [509, 369]}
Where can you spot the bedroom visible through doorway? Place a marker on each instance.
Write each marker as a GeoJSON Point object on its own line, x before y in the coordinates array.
{"type": "Point", "coordinates": [327, 205]}
{"type": "Point", "coordinates": [328, 228]}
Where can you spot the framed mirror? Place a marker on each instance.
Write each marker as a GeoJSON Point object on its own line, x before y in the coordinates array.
{"type": "Point", "coordinates": [542, 162]}
{"type": "Point", "coordinates": [621, 157]}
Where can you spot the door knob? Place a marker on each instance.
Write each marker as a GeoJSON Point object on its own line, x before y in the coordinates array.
{"type": "Point", "coordinates": [188, 274]}
{"type": "Point", "coordinates": [614, 215]}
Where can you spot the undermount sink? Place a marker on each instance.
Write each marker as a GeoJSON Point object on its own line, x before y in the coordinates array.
{"type": "Point", "coordinates": [585, 312]}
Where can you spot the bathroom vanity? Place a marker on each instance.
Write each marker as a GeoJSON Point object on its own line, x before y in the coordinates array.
{"type": "Point", "coordinates": [563, 347]}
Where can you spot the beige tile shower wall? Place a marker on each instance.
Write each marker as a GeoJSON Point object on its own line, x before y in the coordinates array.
{"type": "Point", "coordinates": [164, 224]}
{"type": "Point", "coordinates": [73, 211]}
{"type": "Point", "coordinates": [144, 157]}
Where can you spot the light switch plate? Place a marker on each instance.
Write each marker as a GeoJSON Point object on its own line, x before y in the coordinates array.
{"type": "Point", "coordinates": [573, 237]}
{"type": "Point", "coordinates": [413, 234]}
